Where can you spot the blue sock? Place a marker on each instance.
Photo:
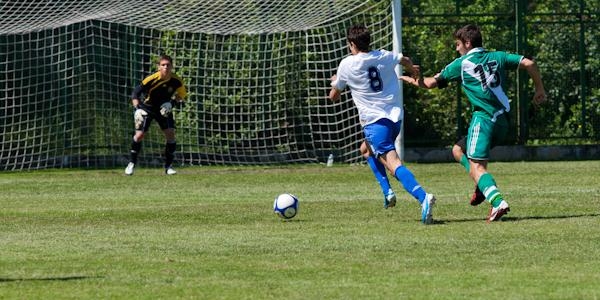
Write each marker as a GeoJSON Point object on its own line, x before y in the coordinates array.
{"type": "Point", "coordinates": [379, 171]}
{"type": "Point", "coordinates": [410, 184]}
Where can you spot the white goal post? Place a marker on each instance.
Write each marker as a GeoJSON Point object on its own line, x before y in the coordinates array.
{"type": "Point", "coordinates": [397, 42]}
{"type": "Point", "coordinates": [257, 74]}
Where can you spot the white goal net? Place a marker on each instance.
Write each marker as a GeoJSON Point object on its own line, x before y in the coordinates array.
{"type": "Point", "coordinates": [257, 74]}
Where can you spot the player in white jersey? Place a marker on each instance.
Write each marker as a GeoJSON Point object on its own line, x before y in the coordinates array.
{"type": "Point", "coordinates": [371, 77]}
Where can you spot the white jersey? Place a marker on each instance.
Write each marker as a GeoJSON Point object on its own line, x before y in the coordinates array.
{"type": "Point", "coordinates": [373, 82]}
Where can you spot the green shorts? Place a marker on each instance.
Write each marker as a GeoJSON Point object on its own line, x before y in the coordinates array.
{"type": "Point", "coordinates": [484, 134]}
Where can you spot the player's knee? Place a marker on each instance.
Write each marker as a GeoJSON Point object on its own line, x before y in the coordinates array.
{"type": "Point", "coordinates": [477, 168]}
{"type": "Point", "coordinates": [364, 150]}
{"type": "Point", "coordinates": [138, 136]}
{"type": "Point", "coordinates": [169, 135]}
{"type": "Point", "coordinates": [457, 152]}
{"type": "Point", "coordinates": [365, 154]}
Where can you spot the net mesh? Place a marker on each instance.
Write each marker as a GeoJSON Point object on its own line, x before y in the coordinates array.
{"type": "Point", "coordinates": [257, 74]}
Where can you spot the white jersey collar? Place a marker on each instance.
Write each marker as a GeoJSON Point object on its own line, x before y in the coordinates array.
{"type": "Point", "coordinates": [478, 49]}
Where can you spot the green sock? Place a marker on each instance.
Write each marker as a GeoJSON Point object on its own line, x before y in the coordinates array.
{"type": "Point", "coordinates": [464, 161]}
{"type": "Point", "coordinates": [487, 185]}
{"type": "Point", "coordinates": [497, 200]}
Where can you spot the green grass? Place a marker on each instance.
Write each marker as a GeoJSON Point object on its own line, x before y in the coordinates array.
{"type": "Point", "coordinates": [209, 233]}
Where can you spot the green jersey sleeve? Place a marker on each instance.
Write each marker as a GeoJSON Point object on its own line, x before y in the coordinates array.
{"type": "Point", "coordinates": [512, 60]}
{"type": "Point", "coordinates": [452, 72]}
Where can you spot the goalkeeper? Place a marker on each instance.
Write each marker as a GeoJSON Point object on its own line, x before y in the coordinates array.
{"type": "Point", "coordinates": [161, 89]}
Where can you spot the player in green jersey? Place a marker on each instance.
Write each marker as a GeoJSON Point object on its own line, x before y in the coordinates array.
{"type": "Point", "coordinates": [482, 74]}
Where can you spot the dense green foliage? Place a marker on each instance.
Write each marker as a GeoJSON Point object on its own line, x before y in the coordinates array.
{"type": "Point", "coordinates": [210, 233]}
{"type": "Point", "coordinates": [561, 36]}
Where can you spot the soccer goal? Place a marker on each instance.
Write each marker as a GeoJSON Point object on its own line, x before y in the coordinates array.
{"type": "Point", "coordinates": [257, 74]}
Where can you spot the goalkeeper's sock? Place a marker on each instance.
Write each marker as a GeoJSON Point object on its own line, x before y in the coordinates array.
{"type": "Point", "coordinates": [410, 184]}
{"type": "Point", "coordinates": [464, 161]}
{"type": "Point", "coordinates": [487, 185]}
{"type": "Point", "coordinates": [169, 153]}
{"type": "Point", "coordinates": [380, 174]}
{"type": "Point", "coordinates": [136, 147]}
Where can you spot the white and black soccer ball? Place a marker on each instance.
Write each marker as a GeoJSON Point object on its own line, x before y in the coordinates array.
{"type": "Point", "coordinates": [286, 206]}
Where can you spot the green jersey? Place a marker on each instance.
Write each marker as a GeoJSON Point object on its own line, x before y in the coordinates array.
{"type": "Point", "coordinates": [482, 74]}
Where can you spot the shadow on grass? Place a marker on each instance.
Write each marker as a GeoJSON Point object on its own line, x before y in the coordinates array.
{"type": "Point", "coordinates": [64, 278]}
{"type": "Point", "coordinates": [514, 219]}
{"type": "Point", "coordinates": [509, 219]}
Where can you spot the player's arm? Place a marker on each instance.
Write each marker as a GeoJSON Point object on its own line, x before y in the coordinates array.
{"type": "Point", "coordinates": [180, 91]}
{"type": "Point", "coordinates": [136, 95]}
{"type": "Point", "coordinates": [416, 79]}
{"type": "Point", "coordinates": [426, 82]}
{"type": "Point", "coordinates": [531, 67]}
{"type": "Point", "coordinates": [407, 64]}
{"type": "Point", "coordinates": [334, 93]}
{"type": "Point", "coordinates": [180, 94]}
{"type": "Point", "coordinates": [423, 82]}
{"type": "Point", "coordinates": [139, 113]}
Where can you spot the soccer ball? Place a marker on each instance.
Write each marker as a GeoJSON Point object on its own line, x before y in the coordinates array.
{"type": "Point", "coordinates": [286, 206]}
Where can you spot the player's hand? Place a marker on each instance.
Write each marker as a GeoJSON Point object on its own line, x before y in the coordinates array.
{"type": "Point", "coordinates": [408, 79]}
{"type": "Point", "coordinates": [166, 108]}
{"type": "Point", "coordinates": [417, 68]}
{"type": "Point", "coordinates": [416, 71]}
{"type": "Point", "coordinates": [539, 97]}
{"type": "Point", "coordinates": [334, 94]}
{"type": "Point", "coordinates": [139, 116]}
{"type": "Point", "coordinates": [140, 113]}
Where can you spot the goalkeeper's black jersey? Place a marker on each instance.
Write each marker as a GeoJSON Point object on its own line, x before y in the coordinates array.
{"type": "Point", "coordinates": [158, 91]}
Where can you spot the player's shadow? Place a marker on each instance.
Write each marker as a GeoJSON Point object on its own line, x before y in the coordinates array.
{"type": "Point", "coordinates": [516, 219]}
{"type": "Point", "coordinates": [509, 218]}
{"type": "Point", "coordinates": [59, 278]}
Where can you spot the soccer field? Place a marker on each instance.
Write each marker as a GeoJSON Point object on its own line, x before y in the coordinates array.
{"type": "Point", "coordinates": [210, 233]}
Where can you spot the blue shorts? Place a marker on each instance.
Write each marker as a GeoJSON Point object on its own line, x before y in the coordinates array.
{"type": "Point", "coordinates": [381, 135]}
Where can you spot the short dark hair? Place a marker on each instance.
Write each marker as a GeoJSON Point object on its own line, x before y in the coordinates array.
{"type": "Point", "coordinates": [469, 33]}
{"type": "Point", "coordinates": [361, 37]}
{"type": "Point", "coordinates": [165, 57]}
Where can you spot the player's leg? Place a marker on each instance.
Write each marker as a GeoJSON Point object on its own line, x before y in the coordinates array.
{"type": "Point", "coordinates": [381, 136]}
{"type": "Point", "coordinates": [481, 134]}
{"type": "Point", "coordinates": [142, 124]}
{"type": "Point", "coordinates": [136, 146]}
{"type": "Point", "coordinates": [410, 184]}
{"type": "Point", "coordinates": [459, 151]}
{"type": "Point", "coordinates": [168, 126]}
{"type": "Point", "coordinates": [380, 174]}
{"type": "Point", "coordinates": [487, 184]}
{"type": "Point", "coordinates": [170, 147]}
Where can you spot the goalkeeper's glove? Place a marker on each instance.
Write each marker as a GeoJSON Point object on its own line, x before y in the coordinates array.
{"type": "Point", "coordinates": [166, 108]}
{"type": "Point", "coordinates": [139, 116]}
